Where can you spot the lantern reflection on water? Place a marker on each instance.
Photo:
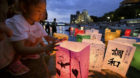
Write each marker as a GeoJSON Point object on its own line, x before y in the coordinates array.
{"type": "Point", "coordinates": [72, 60]}
{"type": "Point", "coordinates": [97, 49]}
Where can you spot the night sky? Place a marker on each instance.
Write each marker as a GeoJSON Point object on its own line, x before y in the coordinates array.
{"type": "Point", "coordinates": [61, 9]}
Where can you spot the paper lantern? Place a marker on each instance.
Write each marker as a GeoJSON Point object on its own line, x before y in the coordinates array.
{"type": "Point", "coordinates": [80, 37]}
{"type": "Point", "coordinates": [88, 32]}
{"type": "Point", "coordinates": [60, 36]}
{"type": "Point", "coordinates": [81, 28]}
{"type": "Point", "coordinates": [118, 33]}
{"type": "Point", "coordinates": [107, 30]}
{"type": "Point", "coordinates": [118, 57]}
{"type": "Point", "coordinates": [110, 36]}
{"type": "Point", "coordinates": [97, 49]}
{"type": "Point", "coordinates": [96, 36]}
{"type": "Point", "coordinates": [94, 31]}
{"type": "Point", "coordinates": [72, 60]}
{"type": "Point", "coordinates": [77, 31]}
{"type": "Point", "coordinates": [135, 33]}
{"type": "Point", "coordinates": [127, 32]}
{"type": "Point", "coordinates": [125, 40]}
{"type": "Point", "coordinates": [136, 59]}
{"type": "Point", "coordinates": [139, 36]}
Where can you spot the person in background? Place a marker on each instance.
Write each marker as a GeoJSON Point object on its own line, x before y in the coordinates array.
{"type": "Point", "coordinates": [54, 24]}
{"type": "Point", "coordinates": [27, 40]}
{"type": "Point", "coordinates": [47, 27]}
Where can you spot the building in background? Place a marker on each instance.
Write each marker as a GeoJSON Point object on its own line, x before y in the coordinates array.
{"type": "Point", "coordinates": [81, 18]}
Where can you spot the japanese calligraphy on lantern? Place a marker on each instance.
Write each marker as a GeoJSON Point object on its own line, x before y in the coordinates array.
{"type": "Point", "coordinates": [118, 57]}
{"type": "Point", "coordinates": [97, 49]}
{"type": "Point", "coordinates": [72, 60]}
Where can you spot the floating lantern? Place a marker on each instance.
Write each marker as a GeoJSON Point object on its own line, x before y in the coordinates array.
{"type": "Point", "coordinates": [136, 59]}
{"type": "Point", "coordinates": [110, 36]}
{"type": "Point", "coordinates": [118, 33]}
{"type": "Point", "coordinates": [81, 28]}
{"type": "Point", "coordinates": [118, 57]}
{"type": "Point", "coordinates": [127, 32]}
{"type": "Point", "coordinates": [88, 32]}
{"type": "Point", "coordinates": [80, 37]}
{"type": "Point", "coordinates": [95, 31]}
{"type": "Point", "coordinates": [135, 33]}
{"type": "Point", "coordinates": [107, 30]}
{"type": "Point", "coordinates": [77, 31]}
{"type": "Point", "coordinates": [96, 36]}
{"type": "Point", "coordinates": [60, 36]}
{"type": "Point", "coordinates": [97, 49]}
{"type": "Point", "coordinates": [139, 36]}
{"type": "Point", "coordinates": [125, 40]}
{"type": "Point", "coordinates": [72, 60]}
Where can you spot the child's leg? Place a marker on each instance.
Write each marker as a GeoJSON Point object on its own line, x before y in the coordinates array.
{"type": "Point", "coordinates": [17, 68]}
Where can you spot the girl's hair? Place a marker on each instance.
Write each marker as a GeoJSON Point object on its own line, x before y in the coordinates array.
{"type": "Point", "coordinates": [25, 4]}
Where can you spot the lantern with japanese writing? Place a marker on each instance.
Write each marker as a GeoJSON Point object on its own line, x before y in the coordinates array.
{"type": "Point", "coordinates": [127, 32]}
{"type": "Point", "coordinates": [72, 60]}
{"type": "Point", "coordinates": [136, 59]}
{"type": "Point", "coordinates": [80, 37]}
{"type": "Point", "coordinates": [97, 49]}
{"type": "Point", "coordinates": [118, 33]}
{"type": "Point", "coordinates": [118, 57]}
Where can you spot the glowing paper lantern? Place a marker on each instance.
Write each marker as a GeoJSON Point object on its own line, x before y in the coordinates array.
{"type": "Point", "coordinates": [77, 31]}
{"type": "Point", "coordinates": [135, 33]}
{"type": "Point", "coordinates": [61, 36]}
{"type": "Point", "coordinates": [118, 57]}
{"type": "Point", "coordinates": [118, 33]}
{"type": "Point", "coordinates": [110, 36]}
{"type": "Point", "coordinates": [127, 32]}
{"type": "Point", "coordinates": [97, 49]}
{"type": "Point", "coordinates": [72, 60]}
{"type": "Point", "coordinates": [88, 32]}
{"type": "Point", "coordinates": [107, 30]}
{"type": "Point", "coordinates": [96, 36]}
{"type": "Point", "coordinates": [125, 40]}
{"type": "Point", "coordinates": [94, 31]}
{"type": "Point", "coordinates": [139, 36]}
{"type": "Point", "coordinates": [136, 59]}
{"type": "Point", "coordinates": [80, 37]}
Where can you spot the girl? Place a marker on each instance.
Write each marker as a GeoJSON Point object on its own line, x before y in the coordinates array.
{"type": "Point", "coordinates": [27, 40]}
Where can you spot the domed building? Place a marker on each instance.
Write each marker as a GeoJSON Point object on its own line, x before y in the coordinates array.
{"type": "Point", "coordinates": [82, 18]}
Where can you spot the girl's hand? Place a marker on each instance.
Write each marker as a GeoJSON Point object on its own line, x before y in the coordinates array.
{"type": "Point", "coordinates": [50, 47]}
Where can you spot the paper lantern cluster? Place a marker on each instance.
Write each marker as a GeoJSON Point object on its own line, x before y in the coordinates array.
{"type": "Point", "coordinates": [72, 60]}
{"type": "Point", "coordinates": [94, 34]}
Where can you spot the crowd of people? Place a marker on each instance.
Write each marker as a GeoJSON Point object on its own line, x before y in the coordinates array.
{"type": "Point", "coordinates": [22, 49]}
